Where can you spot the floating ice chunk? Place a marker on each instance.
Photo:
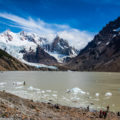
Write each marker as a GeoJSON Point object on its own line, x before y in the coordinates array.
{"type": "Point", "coordinates": [76, 91]}
{"type": "Point", "coordinates": [42, 91]}
{"type": "Point", "coordinates": [82, 92]}
{"type": "Point", "coordinates": [18, 83]}
{"type": "Point", "coordinates": [48, 91]}
{"type": "Point", "coordinates": [54, 95]}
{"type": "Point", "coordinates": [108, 94]}
{"type": "Point", "coordinates": [88, 93]}
{"type": "Point", "coordinates": [19, 87]}
{"type": "Point", "coordinates": [45, 95]}
{"type": "Point", "coordinates": [75, 98]}
{"type": "Point", "coordinates": [3, 83]}
{"type": "Point", "coordinates": [97, 94]}
{"type": "Point", "coordinates": [32, 88]}
{"type": "Point", "coordinates": [96, 99]}
{"type": "Point", "coordinates": [38, 92]}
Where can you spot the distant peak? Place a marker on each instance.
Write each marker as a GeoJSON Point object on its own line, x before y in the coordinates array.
{"type": "Point", "coordinates": [7, 31]}
{"type": "Point", "coordinates": [57, 38]}
{"type": "Point", "coordinates": [22, 33]}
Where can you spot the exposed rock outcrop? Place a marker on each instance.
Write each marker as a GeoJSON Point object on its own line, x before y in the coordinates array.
{"type": "Point", "coordinates": [39, 56]}
{"type": "Point", "coordinates": [61, 46]}
{"type": "Point", "coordinates": [102, 53]}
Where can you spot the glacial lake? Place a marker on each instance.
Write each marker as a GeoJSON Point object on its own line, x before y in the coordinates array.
{"type": "Point", "coordinates": [76, 89]}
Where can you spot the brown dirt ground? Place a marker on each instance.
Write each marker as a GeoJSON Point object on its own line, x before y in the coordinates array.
{"type": "Point", "coordinates": [17, 108]}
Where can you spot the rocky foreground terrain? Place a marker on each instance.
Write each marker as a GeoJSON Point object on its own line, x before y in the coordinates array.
{"type": "Point", "coordinates": [17, 108]}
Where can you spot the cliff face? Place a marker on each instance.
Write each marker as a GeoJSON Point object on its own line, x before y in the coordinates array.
{"type": "Point", "coordinates": [62, 47]}
{"type": "Point", "coordinates": [40, 56]}
{"type": "Point", "coordinates": [102, 53]}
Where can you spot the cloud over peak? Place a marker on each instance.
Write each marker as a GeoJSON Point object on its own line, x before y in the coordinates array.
{"type": "Point", "coordinates": [75, 37]}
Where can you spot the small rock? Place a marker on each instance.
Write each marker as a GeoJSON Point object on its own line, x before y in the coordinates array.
{"type": "Point", "coordinates": [56, 106]}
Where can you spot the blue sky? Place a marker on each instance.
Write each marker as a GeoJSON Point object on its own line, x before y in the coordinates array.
{"type": "Point", "coordinates": [89, 15]}
{"type": "Point", "coordinates": [84, 16]}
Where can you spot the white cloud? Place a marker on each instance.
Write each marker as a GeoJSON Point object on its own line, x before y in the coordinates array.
{"type": "Point", "coordinates": [75, 37]}
{"type": "Point", "coordinates": [28, 24]}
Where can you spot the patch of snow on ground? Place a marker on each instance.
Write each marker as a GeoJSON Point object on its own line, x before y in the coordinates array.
{"type": "Point", "coordinates": [107, 43]}
{"type": "Point", "coordinates": [99, 43]}
{"type": "Point", "coordinates": [59, 57]}
{"type": "Point", "coordinates": [114, 36]}
{"type": "Point", "coordinates": [117, 30]}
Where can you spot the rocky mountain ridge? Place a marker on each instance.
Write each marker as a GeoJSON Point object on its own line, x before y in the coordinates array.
{"type": "Point", "coordinates": [7, 62]}
{"type": "Point", "coordinates": [102, 53]}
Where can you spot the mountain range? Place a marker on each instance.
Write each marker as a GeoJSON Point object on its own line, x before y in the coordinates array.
{"type": "Point", "coordinates": [101, 54]}
{"type": "Point", "coordinates": [34, 50]}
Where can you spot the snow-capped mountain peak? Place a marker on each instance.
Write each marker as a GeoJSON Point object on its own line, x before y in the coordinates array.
{"type": "Point", "coordinates": [20, 44]}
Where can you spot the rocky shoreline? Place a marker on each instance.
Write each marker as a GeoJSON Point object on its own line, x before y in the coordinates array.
{"type": "Point", "coordinates": [16, 108]}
